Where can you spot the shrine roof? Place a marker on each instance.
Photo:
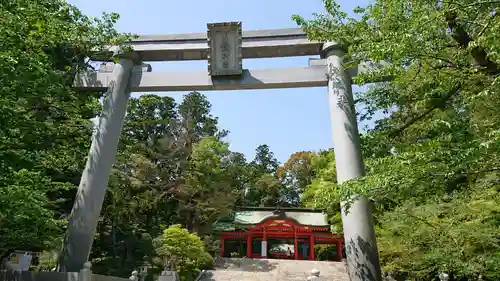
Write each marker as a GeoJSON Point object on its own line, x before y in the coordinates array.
{"type": "Point", "coordinates": [257, 215]}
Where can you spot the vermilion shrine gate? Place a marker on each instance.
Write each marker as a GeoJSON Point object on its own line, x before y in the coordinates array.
{"type": "Point", "coordinates": [254, 228]}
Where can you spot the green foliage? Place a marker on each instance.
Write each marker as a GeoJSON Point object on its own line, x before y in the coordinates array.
{"type": "Point", "coordinates": [183, 251]}
{"type": "Point", "coordinates": [323, 164]}
{"type": "Point", "coordinates": [433, 161]}
{"type": "Point", "coordinates": [172, 168]}
{"type": "Point", "coordinates": [270, 191]}
{"type": "Point", "coordinates": [208, 193]}
{"type": "Point", "coordinates": [47, 261]}
{"type": "Point", "coordinates": [323, 190]}
{"type": "Point", "coordinates": [25, 217]}
{"type": "Point", "coordinates": [234, 255]}
{"type": "Point", "coordinates": [44, 126]}
{"type": "Point", "coordinates": [458, 235]}
{"type": "Point", "coordinates": [265, 188]}
{"type": "Point", "coordinates": [324, 252]}
{"type": "Point", "coordinates": [296, 174]}
{"type": "Point", "coordinates": [162, 167]}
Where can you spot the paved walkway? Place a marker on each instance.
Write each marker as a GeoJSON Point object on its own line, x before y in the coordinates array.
{"type": "Point", "coordinates": [274, 270]}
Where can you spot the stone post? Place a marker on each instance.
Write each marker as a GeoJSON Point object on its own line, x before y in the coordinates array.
{"type": "Point", "coordinates": [444, 277]}
{"type": "Point", "coordinates": [167, 275]}
{"type": "Point", "coordinates": [142, 275]}
{"type": "Point", "coordinates": [314, 276]}
{"type": "Point", "coordinates": [94, 180]}
{"type": "Point", "coordinates": [86, 272]}
{"type": "Point", "coordinates": [359, 234]}
{"type": "Point", "coordinates": [134, 276]}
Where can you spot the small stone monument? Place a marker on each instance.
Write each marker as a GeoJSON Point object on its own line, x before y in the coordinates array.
{"type": "Point", "coordinates": [134, 276]}
{"type": "Point", "coordinates": [314, 275]}
{"type": "Point", "coordinates": [387, 276]}
{"type": "Point", "coordinates": [168, 275]}
{"type": "Point", "coordinates": [444, 277]}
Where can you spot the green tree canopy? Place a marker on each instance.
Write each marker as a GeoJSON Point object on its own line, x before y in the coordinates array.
{"type": "Point", "coordinates": [45, 126]}
{"type": "Point", "coordinates": [433, 162]}
{"type": "Point", "coordinates": [182, 251]}
{"type": "Point", "coordinates": [172, 168]}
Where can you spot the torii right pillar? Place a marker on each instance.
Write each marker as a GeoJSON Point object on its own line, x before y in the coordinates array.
{"type": "Point", "coordinates": [359, 233]}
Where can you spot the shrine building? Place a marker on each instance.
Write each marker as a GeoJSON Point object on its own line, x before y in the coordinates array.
{"type": "Point", "coordinates": [284, 233]}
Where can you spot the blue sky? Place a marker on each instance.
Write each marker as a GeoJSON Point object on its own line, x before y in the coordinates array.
{"type": "Point", "coordinates": [288, 120]}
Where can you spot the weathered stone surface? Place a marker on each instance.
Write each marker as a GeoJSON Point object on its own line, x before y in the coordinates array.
{"type": "Point", "coordinates": [274, 270]}
{"type": "Point", "coordinates": [168, 276]}
{"type": "Point", "coordinates": [255, 44]}
{"type": "Point", "coordinates": [225, 53]}
{"type": "Point", "coordinates": [201, 81]}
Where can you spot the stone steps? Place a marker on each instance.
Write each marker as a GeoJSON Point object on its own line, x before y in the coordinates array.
{"type": "Point", "coordinates": [273, 270]}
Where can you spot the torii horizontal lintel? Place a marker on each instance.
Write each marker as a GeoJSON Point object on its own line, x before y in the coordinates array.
{"type": "Point", "coordinates": [310, 76]}
{"type": "Point", "coordinates": [255, 44]}
{"type": "Point", "coordinates": [143, 80]}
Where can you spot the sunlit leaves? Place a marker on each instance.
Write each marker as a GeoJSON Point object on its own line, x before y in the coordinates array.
{"type": "Point", "coordinates": [182, 251]}
{"type": "Point", "coordinates": [45, 126]}
{"type": "Point", "coordinates": [172, 168]}
{"type": "Point", "coordinates": [438, 150]}
{"type": "Point", "coordinates": [26, 220]}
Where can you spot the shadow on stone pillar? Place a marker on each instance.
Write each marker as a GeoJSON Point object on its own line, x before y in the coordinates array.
{"type": "Point", "coordinates": [359, 233]}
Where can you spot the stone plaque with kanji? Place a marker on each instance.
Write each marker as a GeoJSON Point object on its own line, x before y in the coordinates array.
{"type": "Point", "coordinates": [224, 54]}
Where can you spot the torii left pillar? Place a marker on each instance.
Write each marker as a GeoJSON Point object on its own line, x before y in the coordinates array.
{"type": "Point", "coordinates": [100, 160]}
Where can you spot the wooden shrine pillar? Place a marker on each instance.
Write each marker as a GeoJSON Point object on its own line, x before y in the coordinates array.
{"type": "Point", "coordinates": [263, 251]}
{"type": "Point", "coordinates": [311, 248]}
{"type": "Point", "coordinates": [295, 245]}
{"type": "Point", "coordinates": [249, 246]}
{"type": "Point", "coordinates": [222, 241]}
{"type": "Point", "coordinates": [339, 250]}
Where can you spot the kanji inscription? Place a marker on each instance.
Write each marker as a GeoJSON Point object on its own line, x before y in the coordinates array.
{"type": "Point", "coordinates": [224, 54]}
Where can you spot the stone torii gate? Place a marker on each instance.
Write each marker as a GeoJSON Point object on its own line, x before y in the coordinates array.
{"type": "Point", "coordinates": [224, 46]}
